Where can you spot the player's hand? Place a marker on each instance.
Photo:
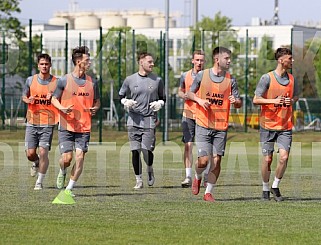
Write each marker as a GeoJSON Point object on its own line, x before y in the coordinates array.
{"type": "Point", "coordinates": [232, 99]}
{"type": "Point", "coordinates": [31, 100]}
{"type": "Point", "coordinates": [128, 103]}
{"type": "Point", "coordinates": [279, 100]}
{"type": "Point", "coordinates": [93, 110]}
{"type": "Point", "coordinates": [49, 95]}
{"type": "Point", "coordinates": [67, 110]}
{"type": "Point", "coordinates": [205, 104]}
{"type": "Point", "coordinates": [287, 101]}
{"type": "Point", "coordinates": [156, 105]}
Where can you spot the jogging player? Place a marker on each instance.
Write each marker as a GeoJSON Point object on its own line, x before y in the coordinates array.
{"type": "Point", "coordinates": [188, 119]}
{"type": "Point", "coordinates": [142, 94]}
{"type": "Point", "coordinates": [77, 98]}
{"type": "Point", "coordinates": [276, 92]}
{"type": "Point", "coordinates": [213, 90]}
{"type": "Point", "coordinates": [41, 118]}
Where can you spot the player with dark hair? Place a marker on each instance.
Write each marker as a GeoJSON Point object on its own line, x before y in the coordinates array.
{"type": "Point", "coordinates": [142, 94]}
{"type": "Point", "coordinates": [41, 117]}
{"type": "Point", "coordinates": [77, 99]}
{"type": "Point", "coordinates": [214, 90]}
{"type": "Point", "coordinates": [276, 92]}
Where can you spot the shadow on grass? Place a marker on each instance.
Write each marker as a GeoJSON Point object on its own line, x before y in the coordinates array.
{"type": "Point", "coordinates": [134, 193]}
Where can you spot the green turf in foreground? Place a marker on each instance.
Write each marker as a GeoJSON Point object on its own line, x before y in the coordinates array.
{"type": "Point", "coordinates": [109, 211]}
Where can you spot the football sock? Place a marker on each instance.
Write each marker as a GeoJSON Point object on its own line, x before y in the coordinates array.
{"type": "Point", "coordinates": [138, 177]}
{"type": "Point", "coordinates": [266, 186]}
{"type": "Point", "coordinates": [276, 182]}
{"type": "Point", "coordinates": [40, 177]}
{"type": "Point", "coordinates": [70, 185]}
{"type": "Point", "coordinates": [188, 172]}
{"type": "Point", "coordinates": [209, 188]}
{"type": "Point", "coordinates": [63, 171]}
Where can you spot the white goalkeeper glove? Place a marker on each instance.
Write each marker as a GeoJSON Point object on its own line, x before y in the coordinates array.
{"type": "Point", "coordinates": [128, 103]}
{"type": "Point", "coordinates": [156, 105]}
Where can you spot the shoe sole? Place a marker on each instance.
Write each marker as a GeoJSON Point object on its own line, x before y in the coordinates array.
{"type": "Point", "coordinates": [186, 185]}
{"type": "Point", "coordinates": [277, 199]}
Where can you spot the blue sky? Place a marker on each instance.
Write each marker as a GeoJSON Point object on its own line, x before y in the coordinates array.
{"type": "Point", "coordinates": [240, 11]}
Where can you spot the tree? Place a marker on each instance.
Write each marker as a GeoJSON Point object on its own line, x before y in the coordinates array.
{"type": "Point", "coordinates": [122, 39]}
{"type": "Point", "coordinates": [208, 34]}
{"type": "Point", "coordinates": [7, 21]}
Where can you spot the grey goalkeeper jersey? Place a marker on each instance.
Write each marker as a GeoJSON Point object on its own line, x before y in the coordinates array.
{"type": "Point", "coordinates": [144, 90]}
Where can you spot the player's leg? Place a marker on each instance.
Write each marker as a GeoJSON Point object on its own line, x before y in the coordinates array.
{"type": "Point", "coordinates": [31, 145]}
{"type": "Point", "coordinates": [66, 146]}
{"type": "Point", "coordinates": [204, 151]}
{"type": "Point", "coordinates": [219, 144]}
{"type": "Point", "coordinates": [45, 139]}
{"type": "Point", "coordinates": [135, 139]}
{"type": "Point", "coordinates": [81, 147]}
{"type": "Point", "coordinates": [188, 126]}
{"type": "Point", "coordinates": [267, 139]}
{"type": "Point", "coordinates": [148, 146]}
{"type": "Point", "coordinates": [284, 142]}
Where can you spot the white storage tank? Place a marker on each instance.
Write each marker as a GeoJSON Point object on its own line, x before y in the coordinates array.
{"type": "Point", "coordinates": [87, 22]}
{"type": "Point", "coordinates": [60, 21]}
{"type": "Point", "coordinates": [109, 21]}
{"type": "Point", "coordinates": [159, 22]}
{"type": "Point", "coordinates": [139, 21]}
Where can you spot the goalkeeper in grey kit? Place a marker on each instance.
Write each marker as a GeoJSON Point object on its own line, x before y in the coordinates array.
{"type": "Point", "coordinates": [142, 95]}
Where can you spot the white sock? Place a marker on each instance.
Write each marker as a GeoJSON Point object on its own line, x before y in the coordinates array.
{"type": "Point", "coordinates": [63, 171]}
{"type": "Point", "coordinates": [188, 172]}
{"type": "Point", "coordinates": [138, 177]}
{"type": "Point", "coordinates": [276, 182]}
{"type": "Point", "coordinates": [71, 184]}
{"type": "Point", "coordinates": [209, 188]}
{"type": "Point", "coordinates": [40, 177]}
{"type": "Point", "coordinates": [266, 186]}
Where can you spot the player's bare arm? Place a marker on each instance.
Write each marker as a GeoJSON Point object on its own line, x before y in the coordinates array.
{"type": "Point", "coordinates": [204, 103]}
{"type": "Point", "coordinates": [258, 100]}
{"type": "Point", "coordinates": [57, 104]}
{"type": "Point", "coordinates": [95, 108]}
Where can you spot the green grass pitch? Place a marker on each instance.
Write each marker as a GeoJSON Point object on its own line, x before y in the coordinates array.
{"type": "Point", "coordinates": [109, 211]}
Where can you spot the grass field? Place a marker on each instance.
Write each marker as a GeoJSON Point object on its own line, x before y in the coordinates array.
{"type": "Point", "coordinates": [109, 211]}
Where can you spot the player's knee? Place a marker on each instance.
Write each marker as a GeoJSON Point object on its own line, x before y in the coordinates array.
{"type": "Point", "coordinates": [202, 162]}
{"type": "Point", "coordinates": [135, 153]}
{"type": "Point", "coordinates": [32, 157]}
{"type": "Point", "coordinates": [66, 159]}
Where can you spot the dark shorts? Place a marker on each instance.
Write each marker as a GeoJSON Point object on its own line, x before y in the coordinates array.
{"type": "Point", "coordinates": [141, 138]}
{"type": "Point", "coordinates": [210, 142]}
{"type": "Point", "coordinates": [188, 126]}
{"type": "Point", "coordinates": [38, 137]}
{"type": "Point", "coordinates": [69, 141]}
{"type": "Point", "coordinates": [268, 138]}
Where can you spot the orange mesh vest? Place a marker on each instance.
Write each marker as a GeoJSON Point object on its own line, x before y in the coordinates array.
{"type": "Point", "coordinates": [277, 117]}
{"type": "Point", "coordinates": [216, 117]}
{"type": "Point", "coordinates": [81, 97]}
{"type": "Point", "coordinates": [189, 105]}
{"type": "Point", "coordinates": [42, 112]}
